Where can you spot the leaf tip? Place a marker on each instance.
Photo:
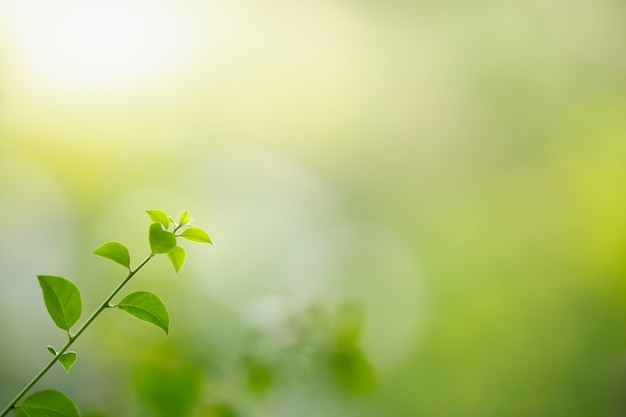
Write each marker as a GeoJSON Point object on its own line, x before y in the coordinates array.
{"type": "Point", "coordinates": [177, 257]}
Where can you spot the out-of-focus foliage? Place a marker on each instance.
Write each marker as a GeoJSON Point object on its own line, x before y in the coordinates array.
{"type": "Point", "coordinates": [349, 364]}
{"type": "Point", "coordinates": [259, 374]}
{"type": "Point", "coordinates": [455, 169]}
{"type": "Point", "coordinates": [168, 392]}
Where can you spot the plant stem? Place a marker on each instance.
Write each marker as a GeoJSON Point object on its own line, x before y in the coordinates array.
{"type": "Point", "coordinates": [72, 338]}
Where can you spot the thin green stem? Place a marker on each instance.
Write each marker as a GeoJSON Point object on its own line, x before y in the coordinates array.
{"type": "Point", "coordinates": [72, 338]}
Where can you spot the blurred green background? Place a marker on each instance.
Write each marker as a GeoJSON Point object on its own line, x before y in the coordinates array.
{"type": "Point", "coordinates": [418, 208]}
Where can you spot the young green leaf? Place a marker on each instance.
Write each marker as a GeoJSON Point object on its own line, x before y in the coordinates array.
{"type": "Point", "coordinates": [148, 307]}
{"type": "Point", "coordinates": [67, 359]}
{"type": "Point", "coordinates": [115, 252]}
{"type": "Point", "coordinates": [159, 216]}
{"type": "Point", "coordinates": [195, 234]}
{"type": "Point", "coordinates": [62, 300]}
{"type": "Point", "coordinates": [184, 218]}
{"type": "Point", "coordinates": [52, 350]}
{"type": "Point", "coordinates": [177, 257]}
{"type": "Point", "coordinates": [161, 241]}
{"type": "Point", "coordinates": [47, 403]}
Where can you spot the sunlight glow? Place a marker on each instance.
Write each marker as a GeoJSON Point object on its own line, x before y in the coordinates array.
{"type": "Point", "coordinates": [99, 44]}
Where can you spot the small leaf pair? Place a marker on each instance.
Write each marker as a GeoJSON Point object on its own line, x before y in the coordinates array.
{"type": "Point", "coordinates": [63, 302]}
{"type": "Point", "coordinates": [159, 216]}
{"type": "Point", "coordinates": [67, 359]}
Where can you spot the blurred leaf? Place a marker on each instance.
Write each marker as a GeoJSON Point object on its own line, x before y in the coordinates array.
{"type": "Point", "coordinates": [47, 403]}
{"type": "Point", "coordinates": [161, 241]}
{"type": "Point", "coordinates": [66, 360]}
{"type": "Point", "coordinates": [195, 234]}
{"type": "Point", "coordinates": [352, 370]}
{"type": "Point", "coordinates": [159, 216]}
{"type": "Point", "coordinates": [259, 374]}
{"type": "Point", "coordinates": [62, 300]}
{"type": "Point", "coordinates": [218, 410]}
{"type": "Point", "coordinates": [348, 325]}
{"type": "Point", "coordinates": [177, 257]}
{"type": "Point", "coordinates": [148, 307]}
{"type": "Point", "coordinates": [169, 392]}
{"type": "Point", "coordinates": [115, 252]}
{"type": "Point", "coordinates": [184, 218]}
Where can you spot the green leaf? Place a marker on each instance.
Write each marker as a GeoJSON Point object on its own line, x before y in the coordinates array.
{"type": "Point", "coordinates": [169, 389]}
{"type": "Point", "coordinates": [348, 325]}
{"type": "Point", "coordinates": [148, 307]}
{"type": "Point", "coordinates": [195, 234]}
{"type": "Point", "coordinates": [67, 359]}
{"type": "Point", "coordinates": [184, 218]}
{"type": "Point", "coordinates": [352, 370]}
{"type": "Point", "coordinates": [47, 403]}
{"type": "Point", "coordinates": [159, 216]}
{"type": "Point", "coordinates": [62, 300]}
{"type": "Point", "coordinates": [259, 374]}
{"type": "Point", "coordinates": [161, 241]}
{"type": "Point", "coordinates": [177, 257]}
{"type": "Point", "coordinates": [115, 252]}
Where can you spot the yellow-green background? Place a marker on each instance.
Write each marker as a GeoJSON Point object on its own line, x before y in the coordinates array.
{"type": "Point", "coordinates": [457, 168]}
